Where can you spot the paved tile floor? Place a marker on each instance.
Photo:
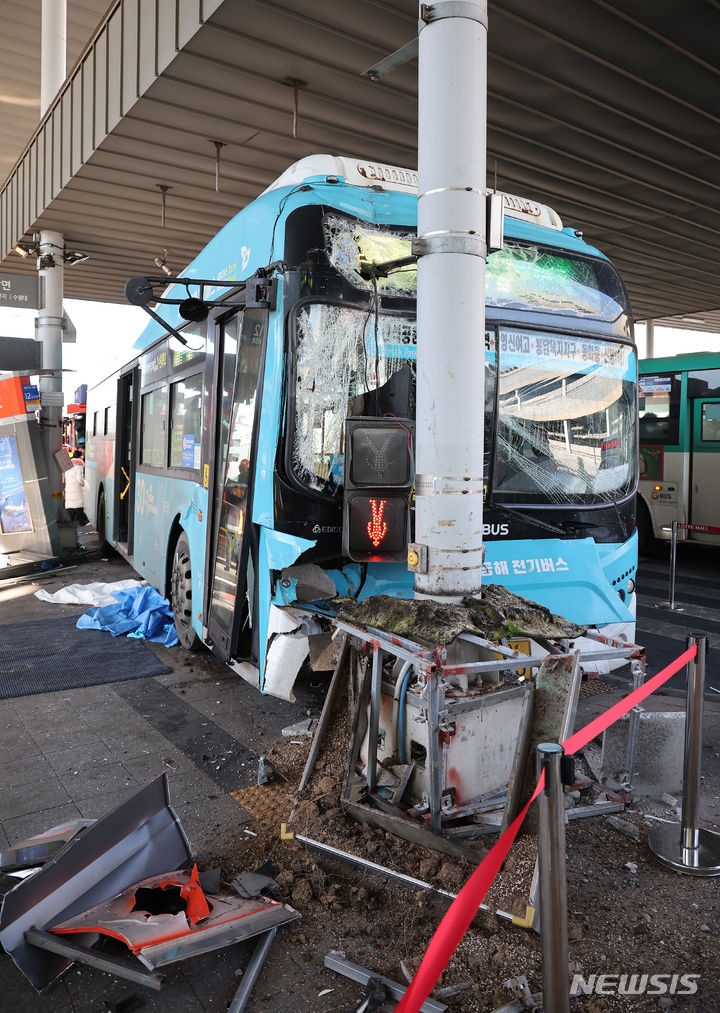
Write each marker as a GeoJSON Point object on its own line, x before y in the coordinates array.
{"type": "Point", "coordinates": [81, 752]}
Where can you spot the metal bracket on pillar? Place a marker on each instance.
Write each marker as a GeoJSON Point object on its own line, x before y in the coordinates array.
{"type": "Point", "coordinates": [49, 322]}
{"type": "Point", "coordinates": [450, 242]}
{"type": "Point", "coordinates": [474, 10]}
{"type": "Point", "coordinates": [407, 52]}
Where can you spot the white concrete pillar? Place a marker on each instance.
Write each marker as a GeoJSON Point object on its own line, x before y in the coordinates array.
{"type": "Point", "coordinates": [53, 50]}
{"type": "Point", "coordinates": [649, 339]}
{"type": "Point", "coordinates": [49, 330]}
{"type": "Point", "coordinates": [452, 115]}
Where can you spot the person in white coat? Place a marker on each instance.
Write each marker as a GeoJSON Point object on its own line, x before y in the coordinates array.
{"type": "Point", "coordinates": [74, 485]}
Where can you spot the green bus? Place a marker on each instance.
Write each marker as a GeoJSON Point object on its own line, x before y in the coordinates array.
{"type": "Point", "coordinates": [679, 431]}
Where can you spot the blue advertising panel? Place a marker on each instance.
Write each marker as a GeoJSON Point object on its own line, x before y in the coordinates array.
{"type": "Point", "coordinates": [188, 451]}
{"type": "Point", "coordinates": [14, 509]}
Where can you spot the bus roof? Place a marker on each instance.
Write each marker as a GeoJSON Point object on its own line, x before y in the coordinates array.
{"type": "Point", "coordinates": [244, 243]}
{"type": "Point", "coordinates": [360, 172]}
{"type": "Point", "coordinates": [680, 363]}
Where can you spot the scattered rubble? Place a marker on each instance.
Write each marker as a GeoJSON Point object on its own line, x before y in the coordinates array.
{"type": "Point", "coordinates": [628, 829]}
{"type": "Point", "coordinates": [497, 615]}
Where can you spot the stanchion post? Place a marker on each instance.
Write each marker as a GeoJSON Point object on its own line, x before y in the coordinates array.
{"type": "Point", "coordinates": [670, 603]}
{"type": "Point", "coordinates": [553, 883]}
{"type": "Point", "coordinates": [693, 742]}
{"type": "Point", "coordinates": [673, 557]}
{"type": "Point", "coordinates": [685, 847]}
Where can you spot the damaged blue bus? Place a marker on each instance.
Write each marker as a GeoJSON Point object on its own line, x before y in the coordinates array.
{"type": "Point", "coordinates": [217, 457]}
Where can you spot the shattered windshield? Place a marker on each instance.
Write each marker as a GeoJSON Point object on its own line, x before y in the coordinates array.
{"type": "Point", "coordinates": [523, 277]}
{"type": "Point", "coordinates": [352, 244]}
{"type": "Point", "coordinates": [348, 362]}
{"type": "Point", "coordinates": [566, 418]}
{"type": "Point", "coordinates": [520, 276]}
{"type": "Point", "coordinates": [566, 406]}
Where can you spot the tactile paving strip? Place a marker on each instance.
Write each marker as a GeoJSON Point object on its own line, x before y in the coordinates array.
{"type": "Point", "coordinates": [590, 687]}
{"type": "Point", "coordinates": [266, 801]}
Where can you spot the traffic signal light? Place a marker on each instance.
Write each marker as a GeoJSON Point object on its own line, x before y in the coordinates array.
{"type": "Point", "coordinates": [379, 477]}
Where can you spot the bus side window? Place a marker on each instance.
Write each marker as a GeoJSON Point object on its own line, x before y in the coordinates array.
{"type": "Point", "coordinates": [186, 422]}
{"type": "Point", "coordinates": [659, 409]}
{"type": "Point", "coordinates": [710, 422]}
{"type": "Point", "coordinates": [154, 415]}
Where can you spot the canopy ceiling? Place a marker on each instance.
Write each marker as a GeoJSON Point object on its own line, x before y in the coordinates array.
{"type": "Point", "coordinates": [607, 110]}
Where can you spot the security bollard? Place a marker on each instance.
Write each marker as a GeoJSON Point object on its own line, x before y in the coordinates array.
{"type": "Point", "coordinates": [685, 847]}
{"type": "Point", "coordinates": [553, 883]}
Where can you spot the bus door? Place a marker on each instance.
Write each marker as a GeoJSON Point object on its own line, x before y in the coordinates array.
{"type": "Point", "coordinates": [232, 558]}
{"type": "Point", "coordinates": [125, 460]}
{"type": "Point", "coordinates": [705, 467]}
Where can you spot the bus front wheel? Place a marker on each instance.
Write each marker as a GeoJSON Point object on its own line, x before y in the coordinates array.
{"type": "Point", "coordinates": [181, 594]}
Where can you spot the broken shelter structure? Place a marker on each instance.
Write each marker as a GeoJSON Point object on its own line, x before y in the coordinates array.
{"type": "Point", "coordinates": [447, 706]}
{"type": "Point", "coordinates": [168, 918]}
{"type": "Point", "coordinates": [124, 877]}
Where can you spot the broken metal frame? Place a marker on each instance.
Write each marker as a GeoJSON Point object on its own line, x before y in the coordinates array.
{"type": "Point", "coordinates": [638, 664]}
{"type": "Point", "coordinates": [259, 956]}
{"type": "Point", "coordinates": [73, 951]}
{"type": "Point", "coordinates": [328, 851]}
{"type": "Point", "coordinates": [139, 838]}
{"type": "Point", "coordinates": [42, 847]}
{"type": "Point", "coordinates": [158, 938]}
{"type": "Point", "coordinates": [335, 962]}
{"type": "Point", "coordinates": [431, 662]}
{"type": "Point", "coordinates": [325, 716]}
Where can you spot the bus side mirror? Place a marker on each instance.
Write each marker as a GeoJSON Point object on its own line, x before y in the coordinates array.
{"type": "Point", "coordinates": [138, 291]}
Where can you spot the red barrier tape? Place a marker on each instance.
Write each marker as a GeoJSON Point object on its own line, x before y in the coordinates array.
{"type": "Point", "coordinates": [464, 908]}
{"type": "Point", "coordinates": [698, 527]}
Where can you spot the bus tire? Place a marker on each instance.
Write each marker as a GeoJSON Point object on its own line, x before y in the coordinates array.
{"type": "Point", "coordinates": [644, 527]}
{"type": "Point", "coordinates": [181, 594]}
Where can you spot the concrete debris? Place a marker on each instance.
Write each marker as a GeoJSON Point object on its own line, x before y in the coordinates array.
{"type": "Point", "coordinates": [300, 728]}
{"type": "Point", "coordinates": [629, 829]}
{"type": "Point", "coordinates": [210, 881]}
{"type": "Point", "coordinates": [497, 615]}
{"type": "Point", "coordinates": [632, 866]}
{"type": "Point", "coordinates": [253, 884]}
{"type": "Point", "coordinates": [267, 771]}
{"type": "Point", "coordinates": [451, 990]}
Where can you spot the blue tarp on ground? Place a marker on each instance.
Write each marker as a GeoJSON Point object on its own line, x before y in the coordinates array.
{"type": "Point", "coordinates": [140, 613]}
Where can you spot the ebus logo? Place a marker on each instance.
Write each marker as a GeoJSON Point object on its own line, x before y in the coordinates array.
{"type": "Point", "coordinates": [634, 984]}
{"type": "Point", "coordinates": [496, 529]}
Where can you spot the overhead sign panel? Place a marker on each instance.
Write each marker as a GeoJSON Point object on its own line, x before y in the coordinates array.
{"type": "Point", "coordinates": [20, 290]}
{"type": "Point", "coordinates": [20, 354]}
